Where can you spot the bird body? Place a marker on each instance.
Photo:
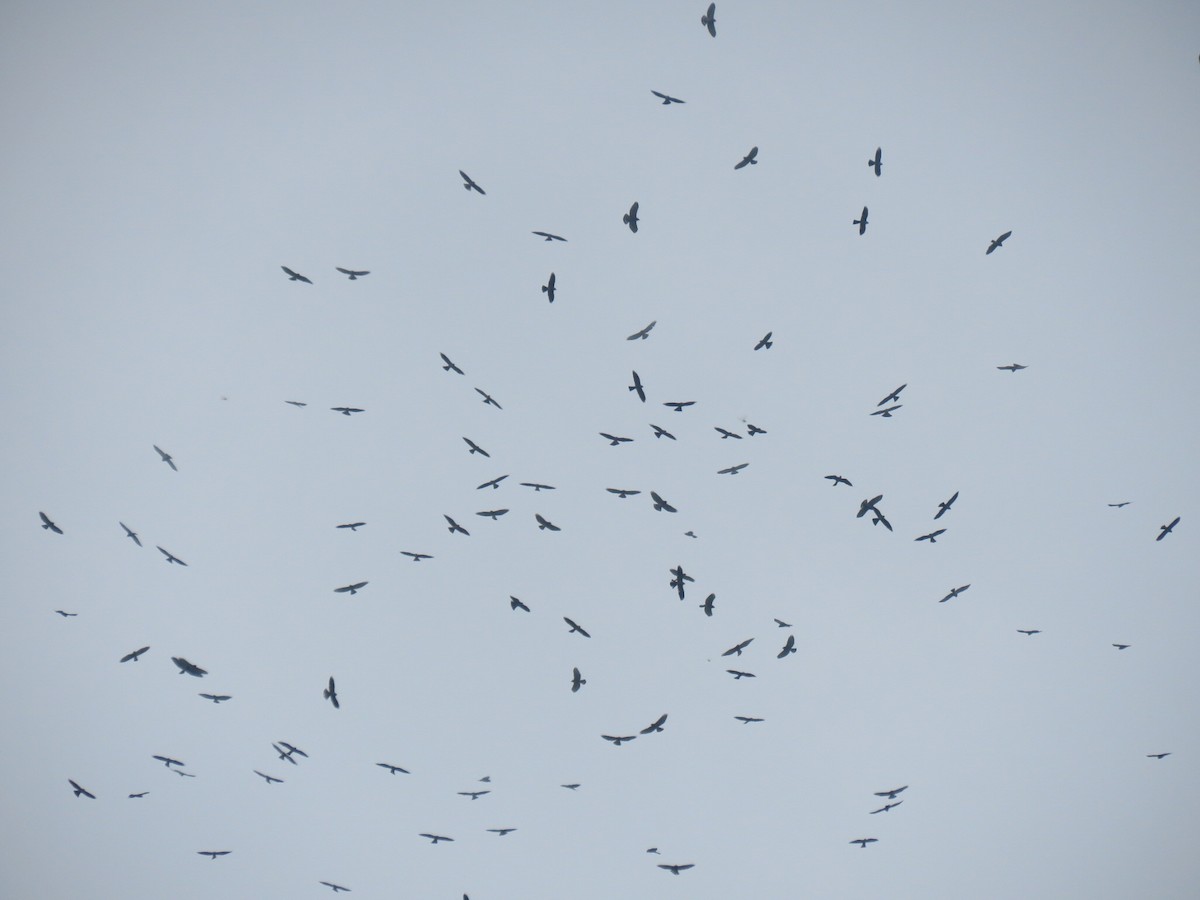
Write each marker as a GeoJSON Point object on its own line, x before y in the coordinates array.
{"type": "Point", "coordinates": [643, 334]}
{"type": "Point", "coordinates": [49, 525]}
{"type": "Point", "coordinates": [862, 222]}
{"type": "Point", "coordinates": [1164, 530]}
{"type": "Point", "coordinates": [351, 589]}
{"type": "Point", "coordinates": [877, 162]}
{"type": "Point", "coordinates": [667, 100]}
{"type": "Point", "coordinates": [330, 694]}
{"type": "Point", "coordinates": [638, 387]}
{"type": "Point", "coordinates": [448, 365]}
{"type": "Point", "coordinates": [765, 342]}
{"type": "Point", "coordinates": [577, 681]}
{"type": "Point", "coordinates": [294, 276]}
{"type": "Point", "coordinates": [709, 19]}
{"type": "Point", "coordinates": [548, 288]}
{"type": "Point", "coordinates": [166, 457]}
{"type": "Point", "coordinates": [997, 242]}
{"type": "Point", "coordinates": [352, 273]}
{"type": "Point", "coordinates": [469, 184]}
{"type": "Point", "coordinates": [631, 218]}
{"type": "Point", "coordinates": [750, 159]}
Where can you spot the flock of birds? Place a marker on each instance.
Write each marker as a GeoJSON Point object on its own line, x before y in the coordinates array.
{"type": "Point", "coordinates": [868, 507]}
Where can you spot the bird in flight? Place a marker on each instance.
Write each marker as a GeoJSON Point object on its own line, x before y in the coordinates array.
{"type": "Point", "coordinates": [487, 399]}
{"type": "Point", "coordinates": [187, 668]}
{"type": "Point", "coordinates": [732, 470]}
{"type": "Point", "coordinates": [997, 242]}
{"type": "Point", "coordinates": [932, 536]}
{"type": "Point", "coordinates": [516, 604]}
{"type": "Point", "coordinates": [494, 484]}
{"type": "Point", "coordinates": [680, 404]}
{"type": "Point", "coordinates": [862, 842]}
{"type": "Point", "coordinates": [48, 524]}
{"type": "Point", "coordinates": [502, 831]}
{"type": "Point", "coordinates": [674, 868]}
{"type": "Point", "coordinates": [415, 557]}
{"type": "Point", "coordinates": [216, 698]}
{"type": "Point", "coordinates": [1029, 631]}
{"type": "Point", "coordinates": [638, 387]}
{"type": "Point", "coordinates": [1122, 646]}
{"type": "Point", "coordinates": [746, 720]}
{"type": "Point", "coordinates": [1164, 530]}
{"type": "Point", "coordinates": [869, 505]}
{"type": "Point", "coordinates": [538, 487]}
{"type": "Point", "coordinates": [678, 580]}
{"type": "Point", "coordinates": [548, 287]}
{"type": "Point", "coordinates": [861, 223]}
{"type": "Point", "coordinates": [469, 183]}
{"type": "Point", "coordinates": [877, 162]}
{"type": "Point", "coordinates": [449, 366]}
{"type": "Point", "coordinates": [750, 159]}
{"type": "Point", "coordinates": [660, 504]}
{"type": "Point", "coordinates": [570, 787]}
{"type": "Point", "coordinates": [213, 854]}
{"type": "Point", "coordinates": [661, 432]}
{"type": "Point", "coordinates": [575, 627]}
{"type": "Point", "coordinates": [891, 795]}
{"type": "Point", "coordinates": [353, 526]}
{"type": "Point", "coordinates": [1015, 367]}
{"type": "Point", "coordinates": [544, 523]}
{"type": "Point", "coordinates": [454, 526]}
{"type": "Point", "coordinates": [168, 761]}
{"type": "Point", "coordinates": [392, 770]}
{"type": "Point", "coordinates": [707, 605]}
{"type": "Point", "coordinates": [738, 676]}
{"type": "Point", "coordinates": [351, 589]}
{"type": "Point", "coordinates": [475, 448]}
{"type": "Point", "coordinates": [183, 774]}
{"type": "Point", "coordinates": [346, 410]}
{"type": "Point", "coordinates": [631, 218]}
{"type": "Point", "coordinates": [331, 694]}
{"type": "Point", "coordinates": [667, 100]}
{"type": "Point", "coordinates": [474, 795]}
{"type": "Point", "coordinates": [132, 535]}
{"type": "Point", "coordinates": [336, 887]}
{"type": "Point", "coordinates": [788, 647]}
{"type": "Point", "coordinates": [269, 779]}
{"type": "Point", "coordinates": [954, 592]}
{"type": "Point", "coordinates": [765, 342]}
{"type": "Point", "coordinates": [709, 19]}
{"type": "Point", "coordinates": [287, 754]}
{"type": "Point", "coordinates": [436, 837]}
{"type": "Point", "coordinates": [783, 624]}
{"type": "Point", "coordinates": [643, 334]}
{"type": "Point", "coordinates": [295, 276]}
{"type": "Point", "coordinates": [881, 519]}
{"type": "Point", "coordinates": [1119, 505]}
{"type": "Point", "coordinates": [134, 655]}
{"type": "Point", "coordinates": [737, 649]}
{"type": "Point", "coordinates": [887, 413]}
{"type": "Point", "coordinates": [893, 396]}
{"type": "Point", "coordinates": [726, 434]}
{"type": "Point", "coordinates": [138, 796]}
{"type": "Point", "coordinates": [65, 615]}
{"type": "Point", "coordinates": [492, 514]}
{"type": "Point", "coordinates": [295, 403]}
{"type": "Point", "coordinates": [81, 791]}
{"type": "Point", "coordinates": [1157, 755]}
{"type": "Point", "coordinates": [549, 237]}
{"type": "Point", "coordinates": [838, 479]}
{"type": "Point", "coordinates": [618, 741]}
{"type": "Point", "coordinates": [613, 440]}
{"type": "Point", "coordinates": [944, 508]}
{"type": "Point", "coordinates": [622, 492]}
{"type": "Point", "coordinates": [577, 681]}
{"type": "Point", "coordinates": [353, 273]}
{"type": "Point", "coordinates": [655, 726]}
{"type": "Point", "coordinates": [166, 457]}
{"type": "Point", "coordinates": [886, 807]}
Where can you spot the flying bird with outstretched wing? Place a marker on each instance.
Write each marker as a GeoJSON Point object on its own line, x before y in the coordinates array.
{"type": "Point", "coordinates": [49, 525]}
{"type": "Point", "coordinates": [294, 276]}
{"type": "Point", "coordinates": [750, 159]}
{"type": "Point", "coordinates": [469, 183]}
{"type": "Point", "coordinates": [709, 19]}
{"type": "Point", "coordinates": [666, 99]}
{"type": "Point", "coordinates": [631, 218]}
{"type": "Point", "coordinates": [997, 242]}
{"type": "Point", "coordinates": [353, 274]}
{"type": "Point", "coordinates": [331, 694]}
{"type": "Point", "coordinates": [643, 334]}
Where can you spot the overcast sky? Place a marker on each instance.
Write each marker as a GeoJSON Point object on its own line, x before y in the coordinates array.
{"type": "Point", "coordinates": [163, 161]}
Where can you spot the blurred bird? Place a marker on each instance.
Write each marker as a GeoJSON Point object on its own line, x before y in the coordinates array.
{"type": "Point", "coordinates": [736, 649]}
{"type": "Point", "coordinates": [667, 100]}
{"type": "Point", "coordinates": [168, 761]}
{"type": "Point", "coordinates": [436, 837]}
{"type": "Point", "coordinates": [661, 432]}
{"type": "Point", "coordinates": [66, 615]}
{"type": "Point", "coordinates": [746, 720]}
{"type": "Point", "coordinates": [217, 698]}
{"type": "Point", "coordinates": [492, 514]}
{"type": "Point", "coordinates": [331, 694]}
{"type": "Point", "coordinates": [135, 654]}
{"type": "Point", "coordinates": [475, 448]}
{"type": "Point", "coordinates": [351, 589]}
{"type": "Point", "coordinates": [726, 434]}
{"type": "Point", "coordinates": [454, 526]}
{"type": "Point", "coordinates": [1028, 631]}
{"type": "Point", "coordinates": [487, 399]}
{"type": "Point", "coordinates": [877, 162]}
{"type": "Point", "coordinates": [613, 440]}
{"type": "Point", "coordinates": [861, 223]}
{"type": "Point", "coordinates": [415, 557]}
{"type": "Point", "coordinates": [469, 184]}
{"type": "Point", "coordinates": [545, 524]}
{"type": "Point", "coordinates": [494, 484]}
{"type": "Point", "coordinates": [752, 430]}
{"type": "Point", "coordinates": [502, 831]}
{"type": "Point", "coordinates": [392, 770]}
{"type": "Point", "coordinates": [643, 334]}
{"type": "Point", "coordinates": [676, 869]}
{"type": "Point", "coordinates": [474, 795]}
{"type": "Point", "coordinates": [891, 795]}
{"type": "Point", "coordinates": [765, 342]}
{"type": "Point", "coordinates": [707, 605]}
{"type": "Point", "coordinates": [1119, 505]}
{"type": "Point", "coordinates": [538, 487]}
{"type": "Point", "coordinates": [932, 536]}
{"type": "Point", "coordinates": [838, 479]}
{"type": "Point", "coordinates": [576, 628]}
{"type": "Point", "coordinates": [549, 237]}
{"type": "Point", "coordinates": [788, 647]}
{"type": "Point", "coordinates": [738, 676]}
{"type": "Point", "coordinates": [655, 726]}
{"type": "Point", "coordinates": [893, 396]}
{"type": "Point", "coordinates": [132, 535]}
{"type": "Point", "coordinates": [1157, 755]}
{"type": "Point", "coordinates": [954, 592]}
{"type": "Point", "coordinates": [1122, 646]}
{"type": "Point", "coordinates": [709, 19]}
{"type": "Point", "coordinates": [81, 791]}
{"type": "Point", "coordinates": [1164, 530]}
{"type": "Point", "coordinates": [944, 508]}
{"type": "Point", "coordinates": [213, 854]}
{"type": "Point", "coordinates": [887, 413]}
{"type": "Point", "coordinates": [869, 505]}
{"type": "Point", "coordinates": [166, 457]}
{"type": "Point", "coordinates": [294, 276]}
{"type": "Point", "coordinates": [346, 410]}
{"type": "Point", "coordinates": [783, 624]}
{"type": "Point", "coordinates": [187, 668]}
{"type": "Point", "coordinates": [637, 386]}
{"type": "Point", "coordinates": [732, 470]}
{"type": "Point", "coordinates": [449, 366]}
{"type": "Point", "coordinates": [750, 159]}
{"type": "Point", "coordinates": [680, 404]}
{"type": "Point", "coordinates": [353, 526]}
{"type": "Point", "coordinates": [335, 887]}
{"type": "Point", "coordinates": [631, 218]}
{"type": "Point", "coordinates": [354, 275]}
{"type": "Point", "coordinates": [269, 779]}
{"type": "Point", "coordinates": [49, 525]}
{"type": "Point", "coordinates": [997, 242]}
{"type": "Point", "coordinates": [618, 741]}
{"type": "Point", "coordinates": [862, 842]}
{"type": "Point", "coordinates": [886, 807]}
{"type": "Point", "coordinates": [577, 681]}
{"type": "Point", "coordinates": [622, 492]}
{"type": "Point", "coordinates": [516, 604]}
{"type": "Point", "coordinates": [1014, 367]}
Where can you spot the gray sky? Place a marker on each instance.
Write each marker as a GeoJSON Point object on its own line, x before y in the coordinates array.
{"type": "Point", "coordinates": [164, 160]}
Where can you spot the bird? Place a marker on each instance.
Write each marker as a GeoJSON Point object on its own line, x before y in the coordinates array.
{"type": "Point", "coordinates": [454, 526]}
{"type": "Point", "coordinates": [81, 791]}
{"type": "Point", "coordinates": [622, 492]}
{"type": "Point", "coordinates": [416, 557]}
{"type": "Point", "coordinates": [752, 430]}
{"type": "Point", "coordinates": [168, 761]}
{"type": "Point", "coordinates": [183, 774]}
{"type": "Point", "coordinates": [492, 514]}
{"type": "Point", "coordinates": [765, 342]}
{"type": "Point", "coordinates": [707, 605]}
{"type": "Point", "coordinates": [285, 754]}
{"type": "Point", "coordinates": [932, 536]}
{"type": "Point", "coordinates": [166, 457]}
{"type": "Point", "coordinates": [954, 592]}
{"type": "Point", "coordinates": [548, 287]}
{"type": "Point", "coordinates": [613, 440]}
{"type": "Point", "coordinates": [891, 795]}
{"type": "Point", "coordinates": [295, 403]}
{"type": "Point", "coordinates": [838, 479]}
{"type": "Point", "coordinates": [474, 795]}
{"type": "Point", "coordinates": [788, 647]}
{"type": "Point", "coordinates": [549, 237]}
{"type": "Point", "coordinates": [392, 770]}
{"type": "Point", "coordinates": [346, 410]}
{"type": "Point", "coordinates": [295, 276]}
{"type": "Point", "coordinates": [746, 720]}
{"type": "Point", "coordinates": [709, 19]}
{"type": "Point", "coordinates": [667, 100]}
{"type": "Point", "coordinates": [268, 778]}
{"type": "Point", "coordinates": [660, 504]}
{"type": "Point", "coordinates": [290, 750]}
{"type": "Point", "coordinates": [134, 655]}
{"type": "Point", "coordinates": [331, 694]}
{"type": "Point", "coordinates": [469, 183]}
{"type": "Point", "coordinates": [631, 218]}
{"type": "Point", "coordinates": [618, 741]}
{"type": "Point", "coordinates": [1157, 755]}
{"type": "Point", "coordinates": [750, 159]}
{"type": "Point", "coordinates": [354, 274]}
{"type": "Point", "coordinates": [738, 676]}
{"type": "Point", "coordinates": [216, 698]}
{"type": "Point", "coordinates": [944, 508]}
{"type": "Point", "coordinates": [653, 850]}
{"type": "Point", "coordinates": [997, 242]}
{"type": "Point", "coordinates": [545, 524]}
{"type": "Point", "coordinates": [886, 807]}
{"type": "Point", "coordinates": [862, 842]}
{"type": "Point", "coordinates": [1164, 530]}
{"type": "Point", "coordinates": [132, 535]}
{"type": "Point", "coordinates": [732, 470]}
{"type": "Point", "coordinates": [576, 628]}
{"type": "Point", "coordinates": [351, 589]}
{"type": "Point", "coordinates": [494, 484]}
{"type": "Point", "coordinates": [516, 604]}
{"type": "Point", "coordinates": [661, 432]}
{"type": "Point", "coordinates": [436, 837]}
{"type": "Point", "coordinates": [487, 399]}
{"type": "Point", "coordinates": [678, 405]}
{"type": "Point", "coordinates": [1122, 646]}
{"type": "Point", "coordinates": [66, 615]}
{"type": "Point", "coordinates": [1014, 367]}
{"type": "Point", "coordinates": [861, 223]}
{"type": "Point", "coordinates": [725, 433]}
{"type": "Point", "coordinates": [1119, 505]}
{"type": "Point", "coordinates": [643, 334]}
{"type": "Point", "coordinates": [577, 681]}
{"type": "Point", "coordinates": [893, 396]}
{"type": "Point", "coordinates": [678, 580]}
{"type": "Point", "coordinates": [1028, 631]}
{"type": "Point", "coordinates": [638, 387]}
{"type": "Point", "coordinates": [353, 526]}
{"type": "Point", "coordinates": [868, 505]}
{"type": "Point", "coordinates": [213, 854]}
{"type": "Point", "coordinates": [783, 624]}
{"type": "Point", "coordinates": [538, 487]}
{"type": "Point", "coordinates": [187, 668]}
{"type": "Point", "coordinates": [736, 649]}
{"type": "Point", "coordinates": [335, 887]}
{"type": "Point", "coordinates": [881, 519]}
{"type": "Point", "coordinates": [675, 869]}
{"type": "Point", "coordinates": [570, 787]}
{"type": "Point", "coordinates": [655, 726]}
{"type": "Point", "coordinates": [887, 413]}
{"type": "Point", "coordinates": [49, 525]}
{"type": "Point", "coordinates": [502, 831]}
{"type": "Point", "coordinates": [138, 796]}
{"type": "Point", "coordinates": [877, 162]}
{"type": "Point", "coordinates": [475, 448]}
{"type": "Point", "coordinates": [449, 366]}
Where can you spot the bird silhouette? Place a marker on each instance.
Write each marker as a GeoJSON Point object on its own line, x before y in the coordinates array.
{"type": "Point", "coordinates": [765, 342]}
{"type": "Point", "coordinates": [862, 842]}
{"type": "Point", "coordinates": [416, 557]}
{"type": "Point", "coordinates": [549, 237]}
{"type": "Point", "coordinates": [660, 504]}
{"type": "Point", "coordinates": [736, 649]}
{"type": "Point", "coordinates": [347, 410]}
{"type": "Point", "coordinates": [217, 698]}
{"type": "Point", "coordinates": [643, 334]}
{"type": "Point", "coordinates": [887, 413]}
{"type": "Point", "coordinates": [545, 524]}
{"type": "Point", "coordinates": [622, 492]}
{"type": "Point", "coordinates": [81, 791]}
{"type": "Point", "coordinates": [492, 514]}
{"type": "Point", "coordinates": [618, 741]}
{"type": "Point", "coordinates": [469, 184]}
{"type": "Point", "coordinates": [331, 694]}
{"type": "Point", "coordinates": [891, 795]}
{"type": "Point", "coordinates": [752, 430]}
{"type": "Point", "coordinates": [269, 779]}
{"type": "Point", "coordinates": [494, 484]}
{"type": "Point", "coordinates": [454, 526]}
{"type": "Point", "coordinates": [750, 159]}
{"type": "Point", "coordinates": [1123, 503]}
{"type": "Point", "coordinates": [134, 655]}
{"type": "Point", "coordinates": [392, 770]}
{"type": "Point", "coordinates": [132, 535]}
{"type": "Point", "coordinates": [738, 676]}
{"type": "Point", "coordinates": [944, 508]}
{"type": "Point", "coordinates": [893, 396]}
{"type": "Point", "coordinates": [65, 614]}
{"type": "Point", "coordinates": [187, 668]}
{"type": "Point", "coordinates": [1014, 367]}
{"type": "Point", "coordinates": [661, 432]}
{"type": "Point", "coordinates": [538, 487]}
{"type": "Point", "coordinates": [1157, 755]}
{"type": "Point", "coordinates": [954, 592]}
{"type": "Point", "coordinates": [1122, 646]}
{"type": "Point", "coordinates": [577, 681]}
{"type": "Point", "coordinates": [726, 434]}
{"type": "Point", "coordinates": [1028, 631]}
{"type": "Point", "coordinates": [335, 887]}
{"type": "Point", "coordinates": [789, 646]}
{"type": "Point", "coordinates": [707, 605]}
{"type": "Point", "coordinates": [48, 525]}
{"type": "Point", "coordinates": [709, 19]}
{"type": "Point", "coordinates": [353, 274]}
{"type": "Point", "coordinates": [886, 807]}
{"type": "Point", "coordinates": [353, 526]}
{"type": "Point", "coordinates": [732, 470]}
{"type": "Point", "coordinates": [838, 479]}
{"type": "Point", "coordinates": [516, 604]}
{"type": "Point", "coordinates": [613, 440]}
{"type": "Point", "coordinates": [213, 854]}
{"type": "Point", "coordinates": [294, 276]}
{"type": "Point", "coordinates": [678, 405]}
{"type": "Point", "coordinates": [548, 288]}
{"type": "Point", "coordinates": [435, 838]}
{"type": "Point", "coordinates": [675, 868]}
{"type": "Point", "coordinates": [474, 795]}
{"type": "Point", "coordinates": [877, 162]}
{"type": "Point", "coordinates": [502, 831]}
{"type": "Point", "coordinates": [997, 242]}
{"type": "Point", "coordinates": [1164, 530]}
{"type": "Point", "coordinates": [667, 100]}
{"type": "Point", "coordinates": [631, 218]}
{"type": "Point", "coordinates": [449, 366]}
{"type": "Point", "coordinates": [168, 761]}
{"type": "Point", "coordinates": [932, 536]}
{"type": "Point", "coordinates": [351, 589]}
{"type": "Point", "coordinates": [475, 448]}
{"type": "Point", "coordinates": [487, 399]}
{"type": "Point", "coordinates": [783, 624]}
{"type": "Point", "coordinates": [655, 726]}
{"type": "Point", "coordinates": [746, 720]}
{"type": "Point", "coordinates": [861, 222]}
{"type": "Point", "coordinates": [576, 628]}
